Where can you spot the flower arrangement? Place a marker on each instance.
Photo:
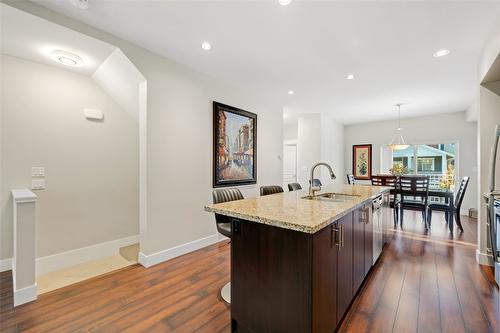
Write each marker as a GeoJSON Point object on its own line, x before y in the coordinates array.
{"type": "Point", "coordinates": [448, 180]}
{"type": "Point", "coordinates": [398, 169]}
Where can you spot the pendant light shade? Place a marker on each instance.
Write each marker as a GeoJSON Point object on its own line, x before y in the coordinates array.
{"type": "Point", "coordinates": [398, 142]}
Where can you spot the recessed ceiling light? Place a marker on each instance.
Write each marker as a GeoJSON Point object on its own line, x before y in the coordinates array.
{"type": "Point", "coordinates": [67, 58]}
{"type": "Point", "coordinates": [284, 2]}
{"type": "Point", "coordinates": [206, 46]}
{"type": "Point", "coordinates": [290, 92]}
{"type": "Point", "coordinates": [82, 4]}
{"type": "Point", "coordinates": [441, 53]}
{"type": "Point", "coordinates": [350, 77]}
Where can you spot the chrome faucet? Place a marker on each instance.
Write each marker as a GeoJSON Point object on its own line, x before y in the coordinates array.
{"type": "Point", "coordinates": [313, 189]}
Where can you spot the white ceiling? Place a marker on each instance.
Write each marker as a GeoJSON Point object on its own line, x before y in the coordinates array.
{"type": "Point", "coordinates": [29, 37]}
{"type": "Point", "coordinates": [310, 46]}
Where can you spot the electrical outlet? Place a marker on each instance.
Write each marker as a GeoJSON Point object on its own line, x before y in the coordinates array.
{"type": "Point", "coordinates": [37, 172]}
{"type": "Point", "coordinates": [38, 184]}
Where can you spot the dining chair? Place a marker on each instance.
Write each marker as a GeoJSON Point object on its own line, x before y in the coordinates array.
{"type": "Point", "coordinates": [270, 189]}
{"type": "Point", "coordinates": [413, 192]}
{"type": "Point", "coordinates": [394, 202]}
{"type": "Point", "coordinates": [224, 225]}
{"type": "Point", "coordinates": [316, 182]}
{"type": "Point", "coordinates": [294, 187]}
{"type": "Point", "coordinates": [444, 207]}
{"type": "Point", "coordinates": [350, 179]}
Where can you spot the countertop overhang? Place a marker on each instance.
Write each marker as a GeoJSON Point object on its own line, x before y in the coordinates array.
{"type": "Point", "coordinates": [289, 210]}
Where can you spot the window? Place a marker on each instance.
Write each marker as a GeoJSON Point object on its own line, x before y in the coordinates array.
{"type": "Point", "coordinates": [425, 164]}
{"type": "Point", "coordinates": [434, 160]}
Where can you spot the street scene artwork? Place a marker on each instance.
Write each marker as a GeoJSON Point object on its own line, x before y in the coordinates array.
{"type": "Point", "coordinates": [235, 143]}
{"type": "Point", "coordinates": [362, 161]}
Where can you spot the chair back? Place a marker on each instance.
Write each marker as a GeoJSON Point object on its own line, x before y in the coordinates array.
{"type": "Point", "coordinates": [461, 193]}
{"type": "Point", "coordinates": [316, 182]}
{"type": "Point", "coordinates": [384, 180]}
{"type": "Point", "coordinates": [294, 187]}
{"type": "Point", "coordinates": [270, 189]}
{"type": "Point", "coordinates": [225, 195]}
{"type": "Point", "coordinates": [415, 186]}
{"type": "Point", "coordinates": [350, 179]}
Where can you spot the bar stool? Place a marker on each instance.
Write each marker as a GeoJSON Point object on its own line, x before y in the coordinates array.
{"type": "Point", "coordinates": [270, 189]}
{"type": "Point", "coordinates": [294, 187]}
{"type": "Point", "coordinates": [224, 226]}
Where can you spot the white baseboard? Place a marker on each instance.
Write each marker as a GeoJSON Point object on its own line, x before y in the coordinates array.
{"type": "Point", "coordinates": [25, 295]}
{"type": "Point", "coordinates": [484, 258]}
{"type": "Point", "coordinates": [5, 264]}
{"type": "Point", "coordinates": [62, 260]}
{"type": "Point", "coordinates": [158, 257]}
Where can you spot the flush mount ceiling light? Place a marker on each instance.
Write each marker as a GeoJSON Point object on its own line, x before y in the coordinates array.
{"type": "Point", "coordinates": [398, 142]}
{"type": "Point", "coordinates": [206, 46]}
{"type": "Point", "coordinates": [350, 77]}
{"type": "Point", "coordinates": [82, 4]}
{"type": "Point", "coordinates": [67, 58]}
{"type": "Point", "coordinates": [441, 53]}
{"type": "Point", "coordinates": [290, 92]}
{"type": "Point", "coordinates": [284, 2]}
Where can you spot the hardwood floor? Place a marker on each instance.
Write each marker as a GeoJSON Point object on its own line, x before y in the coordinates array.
{"type": "Point", "coordinates": [423, 283]}
{"type": "Point", "coordinates": [428, 282]}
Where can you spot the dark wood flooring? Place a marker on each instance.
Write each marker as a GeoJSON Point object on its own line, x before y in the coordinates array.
{"type": "Point", "coordinates": [425, 282]}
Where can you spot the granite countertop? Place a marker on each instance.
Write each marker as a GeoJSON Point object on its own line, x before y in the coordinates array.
{"type": "Point", "coordinates": [289, 211]}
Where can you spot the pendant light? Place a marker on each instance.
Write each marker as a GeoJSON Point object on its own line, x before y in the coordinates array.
{"type": "Point", "coordinates": [397, 142]}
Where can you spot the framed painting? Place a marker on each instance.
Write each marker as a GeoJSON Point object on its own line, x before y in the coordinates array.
{"type": "Point", "coordinates": [234, 146]}
{"type": "Point", "coordinates": [362, 162]}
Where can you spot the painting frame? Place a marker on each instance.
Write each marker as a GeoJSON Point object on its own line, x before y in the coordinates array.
{"type": "Point", "coordinates": [216, 163]}
{"type": "Point", "coordinates": [357, 151]}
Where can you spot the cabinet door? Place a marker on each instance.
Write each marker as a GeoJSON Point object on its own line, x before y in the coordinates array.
{"type": "Point", "coordinates": [324, 280]}
{"type": "Point", "coordinates": [358, 249]}
{"type": "Point", "coordinates": [367, 212]}
{"type": "Point", "coordinates": [344, 267]}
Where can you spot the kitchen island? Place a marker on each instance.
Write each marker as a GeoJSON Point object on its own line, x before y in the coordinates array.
{"type": "Point", "coordinates": [297, 262]}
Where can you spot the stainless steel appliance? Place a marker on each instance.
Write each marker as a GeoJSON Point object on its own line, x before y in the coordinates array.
{"type": "Point", "coordinates": [378, 227]}
{"type": "Point", "coordinates": [496, 241]}
{"type": "Point", "coordinates": [493, 205]}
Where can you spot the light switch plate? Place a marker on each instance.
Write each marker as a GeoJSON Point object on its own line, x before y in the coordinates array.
{"type": "Point", "coordinates": [38, 184]}
{"type": "Point", "coordinates": [37, 172]}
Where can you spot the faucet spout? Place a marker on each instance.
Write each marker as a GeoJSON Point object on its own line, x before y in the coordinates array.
{"type": "Point", "coordinates": [313, 189]}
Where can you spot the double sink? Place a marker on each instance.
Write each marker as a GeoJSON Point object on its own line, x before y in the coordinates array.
{"type": "Point", "coordinates": [332, 197]}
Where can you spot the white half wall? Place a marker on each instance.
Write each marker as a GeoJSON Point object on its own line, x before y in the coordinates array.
{"type": "Point", "coordinates": [450, 127]}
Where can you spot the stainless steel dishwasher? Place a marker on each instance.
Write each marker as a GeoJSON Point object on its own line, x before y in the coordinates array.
{"type": "Point", "coordinates": [378, 227]}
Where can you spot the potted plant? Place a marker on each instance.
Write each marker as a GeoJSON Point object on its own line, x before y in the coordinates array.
{"type": "Point", "coordinates": [448, 180]}
{"type": "Point", "coordinates": [398, 169]}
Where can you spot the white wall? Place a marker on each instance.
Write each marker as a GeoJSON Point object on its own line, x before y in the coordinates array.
{"type": "Point", "coordinates": [319, 139]}
{"type": "Point", "coordinates": [179, 140]}
{"type": "Point", "coordinates": [489, 117]}
{"type": "Point", "coordinates": [91, 193]}
{"type": "Point", "coordinates": [420, 130]}
{"type": "Point", "coordinates": [332, 148]}
{"type": "Point", "coordinates": [290, 132]}
{"type": "Point", "coordinates": [120, 80]}
{"type": "Point", "coordinates": [308, 147]}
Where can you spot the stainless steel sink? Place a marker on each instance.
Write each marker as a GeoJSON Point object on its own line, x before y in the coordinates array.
{"type": "Point", "coordinates": [333, 197]}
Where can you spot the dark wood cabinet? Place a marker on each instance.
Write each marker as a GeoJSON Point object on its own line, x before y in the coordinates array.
{"type": "Point", "coordinates": [324, 279]}
{"type": "Point", "coordinates": [290, 281]}
{"type": "Point", "coordinates": [358, 253]}
{"type": "Point", "coordinates": [345, 263]}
